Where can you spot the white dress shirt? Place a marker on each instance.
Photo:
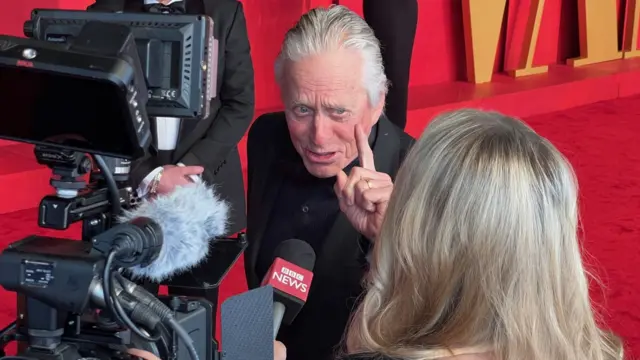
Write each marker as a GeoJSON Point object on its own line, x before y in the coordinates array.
{"type": "Point", "coordinates": [151, 2]}
{"type": "Point", "coordinates": [166, 138]}
{"type": "Point", "coordinates": [167, 130]}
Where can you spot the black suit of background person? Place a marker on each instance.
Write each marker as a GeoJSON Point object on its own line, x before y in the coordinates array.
{"type": "Point", "coordinates": [212, 142]}
{"type": "Point", "coordinates": [274, 166]}
{"type": "Point", "coordinates": [394, 22]}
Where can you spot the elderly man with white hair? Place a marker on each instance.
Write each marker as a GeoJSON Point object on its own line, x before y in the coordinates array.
{"type": "Point", "coordinates": [322, 171]}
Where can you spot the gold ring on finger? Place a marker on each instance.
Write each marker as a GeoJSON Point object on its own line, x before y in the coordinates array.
{"type": "Point", "coordinates": [368, 183]}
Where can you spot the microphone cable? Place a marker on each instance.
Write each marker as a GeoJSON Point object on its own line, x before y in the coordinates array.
{"type": "Point", "coordinates": [167, 317]}
{"type": "Point", "coordinates": [112, 187]}
{"type": "Point", "coordinates": [113, 304]}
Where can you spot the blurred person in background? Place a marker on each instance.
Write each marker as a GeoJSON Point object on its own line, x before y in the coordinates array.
{"type": "Point", "coordinates": [207, 147]}
{"type": "Point", "coordinates": [394, 23]}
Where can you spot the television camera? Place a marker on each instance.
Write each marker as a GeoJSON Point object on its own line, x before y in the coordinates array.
{"type": "Point", "coordinates": [84, 101]}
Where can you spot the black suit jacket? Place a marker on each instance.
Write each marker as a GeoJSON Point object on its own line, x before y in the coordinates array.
{"type": "Point", "coordinates": [340, 265]}
{"type": "Point", "coordinates": [212, 142]}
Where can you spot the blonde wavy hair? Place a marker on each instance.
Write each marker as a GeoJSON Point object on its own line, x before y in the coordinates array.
{"type": "Point", "coordinates": [479, 248]}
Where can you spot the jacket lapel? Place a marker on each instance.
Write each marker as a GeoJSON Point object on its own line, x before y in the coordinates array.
{"type": "Point", "coordinates": [269, 189]}
{"type": "Point", "coordinates": [265, 184]}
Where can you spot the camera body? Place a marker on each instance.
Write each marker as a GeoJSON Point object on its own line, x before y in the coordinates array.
{"type": "Point", "coordinates": [89, 336]}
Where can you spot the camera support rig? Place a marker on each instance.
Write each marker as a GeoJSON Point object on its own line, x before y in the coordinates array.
{"type": "Point", "coordinates": [80, 191]}
{"type": "Point", "coordinates": [81, 195]}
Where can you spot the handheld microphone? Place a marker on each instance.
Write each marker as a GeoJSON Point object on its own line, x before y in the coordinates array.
{"type": "Point", "coordinates": [189, 218]}
{"type": "Point", "coordinates": [290, 276]}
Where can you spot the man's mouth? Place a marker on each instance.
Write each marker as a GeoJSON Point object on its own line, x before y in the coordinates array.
{"type": "Point", "coordinates": [320, 156]}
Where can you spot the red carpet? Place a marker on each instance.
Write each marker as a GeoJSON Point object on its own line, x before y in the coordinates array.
{"type": "Point", "coordinates": [602, 141]}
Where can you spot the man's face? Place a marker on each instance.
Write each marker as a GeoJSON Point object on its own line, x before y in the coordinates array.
{"type": "Point", "coordinates": [325, 98]}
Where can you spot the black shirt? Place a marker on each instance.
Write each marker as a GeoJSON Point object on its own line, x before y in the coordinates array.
{"type": "Point", "coordinates": [306, 208]}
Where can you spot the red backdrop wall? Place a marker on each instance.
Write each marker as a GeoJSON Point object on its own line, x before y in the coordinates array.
{"type": "Point", "coordinates": [439, 46]}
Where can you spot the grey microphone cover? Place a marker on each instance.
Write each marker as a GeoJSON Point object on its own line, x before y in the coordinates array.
{"type": "Point", "coordinates": [247, 325]}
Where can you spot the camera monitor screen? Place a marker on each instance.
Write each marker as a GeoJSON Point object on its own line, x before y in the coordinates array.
{"type": "Point", "coordinates": [67, 99]}
{"type": "Point", "coordinates": [178, 54]}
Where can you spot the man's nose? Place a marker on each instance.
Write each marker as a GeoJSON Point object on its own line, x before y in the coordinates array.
{"type": "Point", "coordinates": [321, 129]}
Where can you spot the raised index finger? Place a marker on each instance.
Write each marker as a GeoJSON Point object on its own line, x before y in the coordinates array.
{"type": "Point", "coordinates": [365, 154]}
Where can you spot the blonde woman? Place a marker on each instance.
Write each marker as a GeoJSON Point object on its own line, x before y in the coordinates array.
{"type": "Point", "coordinates": [478, 257]}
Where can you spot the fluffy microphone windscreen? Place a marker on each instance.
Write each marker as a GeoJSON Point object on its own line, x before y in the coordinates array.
{"type": "Point", "coordinates": [190, 217]}
{"type": "Point", "coordinates": [297, 252]}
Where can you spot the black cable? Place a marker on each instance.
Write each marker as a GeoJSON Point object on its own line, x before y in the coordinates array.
{"type": "Point", "coordinates": [8, 329]}
{"type": "Point", "coordinates": [106, 287]}
{"type": "Point", "coordinates": [111, 301]}
{"type": "Point", "coordinates": [165, 314]}
{"type": "Point", "coordinates": [184, 336]}
{"type": "Point", "coordinates": [155, 334]}
{"type": "Point", "coordinates": [7, 335]}
{"type": "Point", "coordinates": [114, 307]}
{"type": "Point", "coordinates": [112, 187]}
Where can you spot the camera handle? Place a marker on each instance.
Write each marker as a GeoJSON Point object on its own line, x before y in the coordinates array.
{"type": "Point", "coordinates": [77, 199]}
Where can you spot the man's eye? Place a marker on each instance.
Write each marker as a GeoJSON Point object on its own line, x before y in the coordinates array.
{"type": "Point", "coordinates": [302, 110]}
{"type": "Point", "coordinates": [340, 111]}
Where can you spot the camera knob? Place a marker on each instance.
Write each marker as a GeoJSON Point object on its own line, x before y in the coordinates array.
{"type": "Point", "coordinates": [28, 28]}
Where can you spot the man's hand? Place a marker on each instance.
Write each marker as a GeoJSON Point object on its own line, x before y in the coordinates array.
{"type": "Point", "coordinates": [173, 176]}
{"type": "Point", "coordinates": [279, 351]}
{"type": "Point", "coordinates": [364, 194]}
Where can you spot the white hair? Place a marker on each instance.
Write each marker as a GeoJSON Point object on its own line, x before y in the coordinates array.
{"type": "Point", "coordinates": [331, 28]}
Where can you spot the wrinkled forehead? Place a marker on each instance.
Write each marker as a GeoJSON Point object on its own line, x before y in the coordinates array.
{"type": "Point", "coordinates": [334, 72]}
